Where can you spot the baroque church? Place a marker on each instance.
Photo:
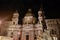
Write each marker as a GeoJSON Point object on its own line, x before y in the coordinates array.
{"type": "Point", "coordinates": [44, 29]}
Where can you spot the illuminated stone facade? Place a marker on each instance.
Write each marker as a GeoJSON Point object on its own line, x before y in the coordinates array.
{"type": "Point", "coordinates": [53, 25]}
{"type": "Point", "coordinates": [44, 29]}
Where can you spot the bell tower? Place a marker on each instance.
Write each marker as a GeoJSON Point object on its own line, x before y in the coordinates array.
{"type": "Point", "coordinates": [15, 18]}
{"type": "Point", "coordinates": [13, 30]}
{"type": "Point", "coordinates": [41, 18]}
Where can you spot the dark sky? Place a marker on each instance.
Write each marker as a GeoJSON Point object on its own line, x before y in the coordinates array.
{"type": "Point", "coordinates": [51, 7]}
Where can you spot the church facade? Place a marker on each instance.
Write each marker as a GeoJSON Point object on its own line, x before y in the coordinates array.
{"type": "Point", "coordinates": [44, 29]}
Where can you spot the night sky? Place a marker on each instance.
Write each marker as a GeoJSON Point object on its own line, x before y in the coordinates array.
{"type": "Point", "coordinates": [51, 7]}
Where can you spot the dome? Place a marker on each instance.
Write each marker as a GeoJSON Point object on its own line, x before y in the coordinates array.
{"type": "Point", "coordinates": [29, 17]}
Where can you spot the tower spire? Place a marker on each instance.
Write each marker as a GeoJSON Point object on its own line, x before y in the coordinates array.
{"type": "Point", "coordinates": [41, 17]}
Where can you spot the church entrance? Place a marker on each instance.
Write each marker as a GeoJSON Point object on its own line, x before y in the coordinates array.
{"type": "Point", "coordinates": [27, 37]}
